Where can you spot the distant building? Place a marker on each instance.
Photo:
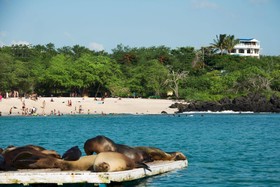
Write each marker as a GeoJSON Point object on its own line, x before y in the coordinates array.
{"type": "Point", "coordinates": [247, 47]}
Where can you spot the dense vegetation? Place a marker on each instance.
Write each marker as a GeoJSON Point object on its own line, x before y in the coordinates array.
{"type": "Point", "coordinates": [127, 72]}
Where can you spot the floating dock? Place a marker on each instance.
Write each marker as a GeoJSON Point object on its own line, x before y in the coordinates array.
{"type": "Point", "coordinates": [53, 176]}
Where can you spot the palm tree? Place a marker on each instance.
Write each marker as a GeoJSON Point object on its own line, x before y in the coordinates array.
{"type": "Point", "coordinates": [230, 42]}
{"type": "Point", "coordinates": [219, 43]}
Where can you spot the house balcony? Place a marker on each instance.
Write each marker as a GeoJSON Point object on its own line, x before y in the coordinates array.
{"type": "Point", "coordinates": [246, 46]}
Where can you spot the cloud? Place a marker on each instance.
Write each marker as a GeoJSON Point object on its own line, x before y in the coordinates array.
{"type": "Point", "coordinates": [96, 46]}
{"type": "Point", "coordinates": [20, 42]}
{"type": "Point", "coordinates": [204, 4]}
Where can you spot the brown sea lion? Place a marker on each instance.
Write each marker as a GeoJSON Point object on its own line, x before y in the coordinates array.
{"type": "Point", "coordinates": [100, 144]}
{"type": "Point", "coordinates": [158, 154]}
{"type": "Point", "coordinates": [114, 161]}
{"type": "Point", "coordinates": [34, 159]}
{"type": "Point", "coordinates": [33, 147]}
{"type": "Point", "coordinates": [135, 154]}
{"type": "Point", "coordinates": [11, 153]}
{"type": "Point", "coordinates": [45, 151]}
{"type": "Point", "coordinates": [72, 154]}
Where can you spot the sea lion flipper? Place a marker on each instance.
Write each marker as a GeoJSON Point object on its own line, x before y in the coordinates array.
{"type": "Point", "coordinates": [143, 165]}
{"type": "Point", "coordinates": [24, 160]}
{"type": "Point", "coordinates": [23, 156]}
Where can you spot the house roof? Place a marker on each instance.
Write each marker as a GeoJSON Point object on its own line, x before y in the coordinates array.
{"type": "Point", "coordinates": [248, 39]}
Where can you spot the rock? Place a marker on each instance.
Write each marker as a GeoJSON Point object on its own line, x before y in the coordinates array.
{"type": "Point", "coordinates": [252, 102]}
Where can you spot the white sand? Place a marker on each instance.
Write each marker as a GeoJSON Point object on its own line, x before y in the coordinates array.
{"type": "Point", "coordinates": [88, 105]}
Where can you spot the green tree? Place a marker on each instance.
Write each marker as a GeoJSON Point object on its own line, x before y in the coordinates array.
{"type": "Point", "coordinates": [6, 71]}
{"type": "Point", "coordinates": [252, 79]}
{"type": "Point", "coordinates": [97, 72]}
{"type": "Point", "coordinates": [57, 76]}
{"type": "Point", "coordinates": [155, 74]}
{"type": "Point", "coordinates": [219, 43]}
{"type": "Point", "coordinates": [230, 42]}
{"type": "Point", "coordinates": [183, 58]}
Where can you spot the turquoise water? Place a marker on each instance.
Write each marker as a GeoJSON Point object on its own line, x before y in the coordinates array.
{"type": "Point", "coordinates": [222, 149]}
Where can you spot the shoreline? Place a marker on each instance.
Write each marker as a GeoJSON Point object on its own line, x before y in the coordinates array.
{"type": "Point", "coordinates": [45, 106]}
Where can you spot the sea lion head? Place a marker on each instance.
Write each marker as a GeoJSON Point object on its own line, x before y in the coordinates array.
{"type": "Point", "coordinates": [99, 144]}
{"type": "Point", "coordinates": [72, 154]}
{"type": "Point", "coordinates": [102, 167]}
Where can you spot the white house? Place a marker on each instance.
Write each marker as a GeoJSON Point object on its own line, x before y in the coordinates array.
{"type": "Point", "coordinates": [247, 47]}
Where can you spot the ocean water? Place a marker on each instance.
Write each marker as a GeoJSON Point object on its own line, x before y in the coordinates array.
{"type": "Point", "coordinates": [222, 149]}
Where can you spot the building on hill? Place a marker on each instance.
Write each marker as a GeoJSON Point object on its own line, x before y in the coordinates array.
{"type": "Point", "coordinates": [247, 47]}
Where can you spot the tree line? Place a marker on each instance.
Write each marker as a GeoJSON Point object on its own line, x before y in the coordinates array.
{"type": "Point", "coordinates": [155, 71]}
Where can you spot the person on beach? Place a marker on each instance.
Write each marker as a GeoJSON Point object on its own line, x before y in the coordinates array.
{"type": "Point", "coordinates": [23, 105]}
{"type": "Point", "coordinates": [43, 107]}
{"type": "Point", "coordinates": [69, 102]}
{"type": "Point", "coordinates": [1, 97]}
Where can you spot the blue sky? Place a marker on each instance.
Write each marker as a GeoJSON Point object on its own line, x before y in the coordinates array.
{"type": "Point", "coordinates": [103, 24]}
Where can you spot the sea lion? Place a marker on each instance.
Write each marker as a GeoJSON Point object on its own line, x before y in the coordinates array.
{"type": "Point", "coordinates": [100, 144]}
{"type": "Point", "coordinates": [85, 163]}
{"type": "Point", "coordinates": [158, 154]}
{"type": "Point", "coordinates": [135, 154]}
{"type": "Point", "coordinates": [35, 160]}
{"type": "Point", "coordinates": [177, 155]}
{"type": "Point", "coordinates": [11, 153]}
{"type": "Point", "coordinates": [33, 147]}
{"type": "Point", "coordinates": [114, 161]}
{"type": "Point", "coordinates": [45, 151]}
{"type": "Point", "coordinates": [72, 154]}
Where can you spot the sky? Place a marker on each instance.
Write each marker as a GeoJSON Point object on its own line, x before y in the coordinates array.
{"type": "Point", "coordinates": [103, 24]}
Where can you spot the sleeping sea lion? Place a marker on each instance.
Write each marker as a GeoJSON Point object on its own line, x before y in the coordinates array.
{"type": "Point", "coordinates": [35, 160]}
{"type": "Point", "coordinates": [85, 163]}
{"type": "Point", "coordinates": [158, 154]}
{"type": "Point", "coordinates": [100, 144]}
{"type": "Point", "coordinates": [11, 153]}
{"type": "Point", "coordinates": [72, 154]}
{"type": "Point", "coordinates": [135, 154]}
{"type": "Point", "coordinates": [114, 161]}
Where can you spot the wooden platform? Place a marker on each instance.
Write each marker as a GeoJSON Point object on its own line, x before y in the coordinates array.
{"type": "Point", "coordinates": [27, 177]}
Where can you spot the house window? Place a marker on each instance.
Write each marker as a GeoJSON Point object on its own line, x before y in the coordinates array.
{"type": "Point", "coordinates": [241, 50]}
{"type": "Point", "coordinates": [248, 51]}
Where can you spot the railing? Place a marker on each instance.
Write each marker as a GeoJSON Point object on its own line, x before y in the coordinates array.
{"type": "Point", "coordinates": [242, 45]}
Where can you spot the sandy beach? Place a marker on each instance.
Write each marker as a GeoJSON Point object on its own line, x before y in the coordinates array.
{"type": "Point", "coordinates": [79, 105]}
